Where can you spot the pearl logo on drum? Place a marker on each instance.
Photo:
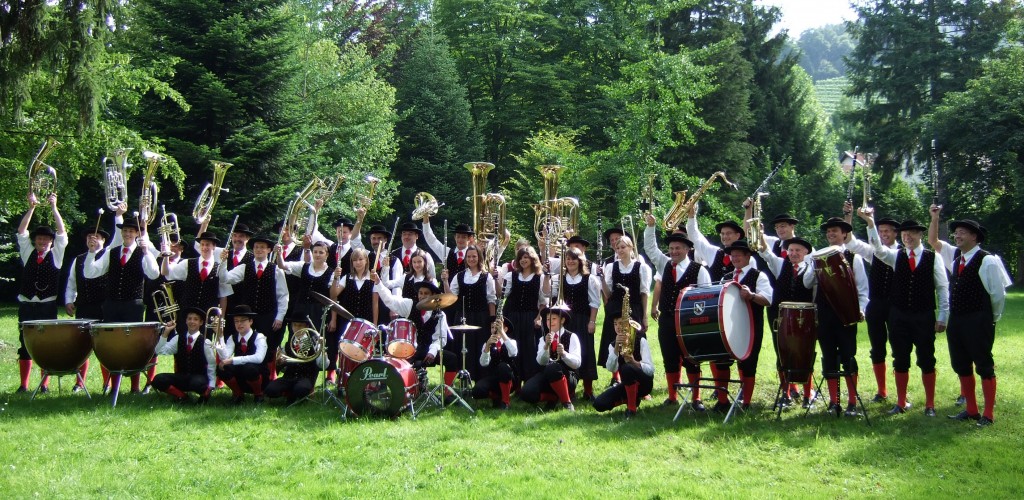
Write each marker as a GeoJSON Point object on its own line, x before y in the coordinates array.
{"type": "Point", "coordinates": [369, 375]}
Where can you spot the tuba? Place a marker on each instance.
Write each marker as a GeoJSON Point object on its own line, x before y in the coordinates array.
{"type": "Point", "coordinates": [488, 214]}
{"type": "Point", "coordinates": [306, 344]}
{"type": "Point", "coordinates": [426, 206]}
{"type": "Point", "coordinates": [165, 306]}
{"type": "Point", "coordinates": [626, 324]}
{"type": "Point", "coordinates": [115, 168]}
{"type": "Point", "coordinates": [211, 191]}
{"type": "Point", "coordinates": [300, 210]}
{"type": "Point", "coordinates": [150, 189]}
{"type": "Point", "coordinates": [554, 217]}
{"type": "Point", "coordinates": [363, 202]}
{"type": "Point", "coordinates": [756, 232]}
{"type": "Point", "coordinates": [168, 226]}
{"type": "Point", "coordinates": [42, 178]}
{"type": "Point", "coordinates": [681, 206]}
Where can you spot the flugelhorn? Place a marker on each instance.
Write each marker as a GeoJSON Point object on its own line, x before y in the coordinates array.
{"type": "Point", "coordinates": [364, 201]}
{"type": "Point", "coordinates": [681, 205]}
{"type": "Point", "coordinates": [214, 325]}
{"type": "Point", "coordinates": [115, 168]}
{"type": "Point", "coordinates": [150, 189]}
{"type": "Point", "coordinates": [168, 227]}
{"type": "Point", "coordinates": [164, 305]}
{"type": "Point", "coordinates": [211, 191]}
{"type": "Point", "coordinates": [42, 178]}
{"type": "Point", "coordinates": [426, 205]}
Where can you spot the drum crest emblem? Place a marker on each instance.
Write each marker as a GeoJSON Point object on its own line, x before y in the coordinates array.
{"type": "Point", "coordinates": [698, 308]}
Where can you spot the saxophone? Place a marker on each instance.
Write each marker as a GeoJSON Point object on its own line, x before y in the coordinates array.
{"type": "Point", "coordinates": [755, 235]}
{"type": "Point", "coordinates": [626, 324]}
{"type": "Point", "coordinates": [681, 205]}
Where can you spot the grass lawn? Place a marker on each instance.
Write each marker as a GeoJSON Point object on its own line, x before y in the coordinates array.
{"type": "Point", "coordinates": [68, 446]}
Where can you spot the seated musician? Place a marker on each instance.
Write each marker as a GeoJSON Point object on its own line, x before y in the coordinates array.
{"type": "Point", "coordinates": [496, 366]}
{"type": "Point", "coordinates": [298, 377]}
{"type": "Point", "coordinates": [243, 366]}
{"type": "Point", "coordinates": [195, 365]}
{"type": "Point", "coordinates": [431, 328]}
{"type": "Point", "coordinates": [635, 368]}
{"type": "Point", "coordinates": [558, 354]}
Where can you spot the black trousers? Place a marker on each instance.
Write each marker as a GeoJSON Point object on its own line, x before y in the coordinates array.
{"type": "Point", "coordinates": [244, 373]}
{"type": "Point", "coordinates": [748, 366]}
{"type": "Point", "coordinates": [89, 311]}
{"type": "Point", "coordinates": [915, 331]}
{"type": "Point", "coordinates": [541, 382]}
{"type": "Point", "coordinates": [32, 311]}
{"type": "Point", "coordinates": [616, 394]}
{"type": "Point", "coordinates": [295, 388]}
{"type": "Point", "coordinates": [970, 338]}
{"type": "Point", "coordinates": [124, 311]}
{"type": "Point", "coordinates": [876, 315]}
{"type": "Point", "coordinates": [773, 314]}
{"type": "Point", "coordinates": [671, 354]}
{"type": "Point", "coordinates": [493, 374]}
{"type": "Point", "coordinates": [182, 381]}
{"type": "Point", "coordinates": [447, 358]}
{"type": "Point", "coordinates": [838, 343]}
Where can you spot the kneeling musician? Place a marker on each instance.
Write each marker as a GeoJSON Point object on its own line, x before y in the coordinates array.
{"type": "Point", "coordinates": [195, 363]}
{"type": "Point", "coordinates": [497, 359]}
{"type": "Point", "coordinates": [558, 354]}
{"type": "Point", "coordinates": [630, 355]}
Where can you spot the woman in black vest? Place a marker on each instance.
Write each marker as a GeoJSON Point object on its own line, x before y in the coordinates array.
{"type": "Point", "coordinates": [632, 274]}
{"type": "Point", "coordinates": [355, 293]}
{"type": "Point", "coordinates": [582, 293]}
{"type": "Point", "coordinates": [415, 273]}
{"type": "Point", "coordinates": [476, 291]}
{"type": "Point", "coordinates": [523, 302]}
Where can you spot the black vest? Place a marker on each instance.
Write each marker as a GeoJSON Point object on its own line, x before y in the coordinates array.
{"type": "Point", "coordinates": [564, 339]}
{"type": "Point", "coordinates": [879, 280]}
{"type": "Point", "coordinates": [191, 363]}
{"type": "Point", "coordinates": [346, 259]}
{"type": "Point", "coordinates": [749, 279]}
{"type": "Point", "coordinates": [474, 295]}
{"type": "Point", "coordinates": [197, 292]}
{"type": "Point", "coordinates": [127, 282]}
{"type": "Point", "coordinates": [637, 353]}
{"type": "Point", "coordinates": [236, 296]}
{"type": "Point", "coordinates": [319, 284]}
{"type": "Point", "coordinates": [966, 292]}
{"type": "Point", "coordinates": [524, 296]}
{"type": "Point", "coordinates": [250, 346]}
{"type": "Point", "coordinates": [358, 301]}
{"type": "Point", "coordinates": [260, 293]}
{"type": "Point", "coordinates": [410, 288]}
{"type": "Point", "coordinates": [424, 329]}
{"type": "Point", "coordinates": [670, 287]}
{"type": "Point", "coordinates": [613, 308]}
{"type": "Point", "coordinates": [790, 288]}
{"type": "Point", "coordinates": [578, 296]}
{"type": "Point", "coordinates": [914, 291]}
{"type": "Point", "coordinates": [777, 248]}
{"type": "Point", "coordinates": [453, 263]}
{"type": "Point", "coordinates": [718, 269]}
{"type": "Point", "coordinates": [90, 291]}
{"type": "Point", "coordinates": [40, 279]}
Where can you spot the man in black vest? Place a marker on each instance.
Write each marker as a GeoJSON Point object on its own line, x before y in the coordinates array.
{"type": "Point", "coordinates": [756, 290]}
{"type": "Point", "coordinates": [42, 256]}
{"type": "Point", "coordinates": [977, 296]}
{"type": "Point", "coordinates": [464, 236]}
{"type": "Point", "coordinates": [234, 255]}
{"type": "Point", "coordinates": [201, 286]}
{"type": "Point", "coordinates": [299, 377]}
{"type": "Point", "coordinates": [677, 273]}
{"type": "Point", "coordinates": [919, 281]}
{"type": "Point", "coordinates": [195, 364]}
{"type": "Point", "coordinates": [244, 357]}
{"type": "Point", "coordinates": [83, 297]}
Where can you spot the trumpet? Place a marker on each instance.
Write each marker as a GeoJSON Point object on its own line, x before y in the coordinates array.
{"type": "Point", "coordinates": [168, 226]}
{"type": "Point", "coordinates": [365, 201]}
{"type": "Point", "coordinates": [426, 205]}
{"type": "Point", "coordinates": [681, 205]}
{"type": "Point", "coordinates": [166, 308]}
{"type": "Point", "coordinates": [306, 344]}
{"type": "Point", "coordinates": [42, 178]}
{"type": "Point", "coordinates": [150, 189]}
{"type": "Point", "coordinates": [115, 167]}
{"type": "Point", "coordinates": [214, 325]}
{"type": "Point", "coordinates": [211, 191]}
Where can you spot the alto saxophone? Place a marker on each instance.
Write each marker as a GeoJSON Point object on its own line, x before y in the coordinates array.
{"type": "Point", "coordinates": [681, 205]}
{"type": "Point", "coordinates": [626, 324]}
{"type": "Point", "coordinates": [756, 236]}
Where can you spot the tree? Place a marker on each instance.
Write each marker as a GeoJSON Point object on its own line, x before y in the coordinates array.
{"type": "Point", "coordinates": [822, 51]}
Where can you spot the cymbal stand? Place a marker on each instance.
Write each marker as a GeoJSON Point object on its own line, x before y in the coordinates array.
{"type": "Point", "coordinates": [437, 396]}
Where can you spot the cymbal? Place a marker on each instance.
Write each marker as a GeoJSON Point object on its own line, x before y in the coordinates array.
{"type": "Point", "coordinates": [332, 305]}
{"type": "Point", "coordinates": [437, 301]}
{"type": "Point", "coordinates": [459, 328]}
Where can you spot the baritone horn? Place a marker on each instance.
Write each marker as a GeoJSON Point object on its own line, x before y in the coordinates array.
{"type": "Point", "coordinates": [150, 189]}
{"type": "Point", "coordinates": [165, 306]}
{"type": "Point", "coordinates": [211, 191]}
{"type": "Point", "coordinates": [426, 205]}
{"type": "Point", "coordinates": [364, 201]}
{"type": "Point", "coordinates": [42, 178]}
{"type": "Point", "coordinates": [115, 168]}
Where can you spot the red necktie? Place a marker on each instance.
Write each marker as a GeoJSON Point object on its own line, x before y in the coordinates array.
{"type": "Point", "coordinates": [736, 277]}
{"type": "Point", "coordinates": [234, 261]}
{"type": "Point", "coordinates": [245, 346]}
{"type": "Point", "coordinates": [459, 258]}
{"type": "Point", "coordinates": [204, 273]}
{"type": "Point", "coordinates": [284, 254]}
{"type": "Point", "coordinates": [960, 268]}
{"type": "Point", "coordinates": [794, 271]}
{"type": "Point", "coordinates": [408, 254]}
{"type": "Point", "coordinates": [727, 260]}
{"type": "Point", "coordinates": [124, 256]}
{"type": "Point", "coordinates": [40, 257]}
{"type": "Point", "coordinates": [259, 271]}
{"type": "Point", "coordinates": [913, 264]}
{"type": "Point", "coordinates": [674, 274]}
{"type": "Point", "coordinates": [423, 315]}
{"type": "Point", "coordinates": [190, 343]}
{"type": "Point", "coordinates": [784, 254]}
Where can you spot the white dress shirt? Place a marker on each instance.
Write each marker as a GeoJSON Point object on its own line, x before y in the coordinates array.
{"type": "Point", "coordinates": [572, 357]}
{"type": "Point", "coordinates": [593, 287]}
{"type": "Point", "coordinates": [178, 271]}
{"type": "Point", "coordinates": [510, 345]}
{"type": "Point", "coordinates": [27, 250]}
{"type": "Point", "coordinates": [471, 278]}
{"type": "Point", "coordinates": [703, 250]}
{"type": "Point", "coordinates": [169, 347]}
{"type": "Point", "coordinates": [775, 263]}
{"type": "Point", "coordinates": [227, 349]}
{"type": "Point", "coordinates": [99, 267]}
{"type": "Point", "coordinates": [888, 257]}
{"type": "Point", "coordinates": [764, 286]}
{"type": "Point", "coordinates": [993, 275]}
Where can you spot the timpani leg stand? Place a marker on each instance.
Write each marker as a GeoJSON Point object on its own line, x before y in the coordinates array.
{"type": "Point", "coordinates": [60, 375]}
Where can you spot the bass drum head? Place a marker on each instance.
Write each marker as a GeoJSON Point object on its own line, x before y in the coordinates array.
{"type": "Point", "coordinates": [736, 319]}
{"type": "Point", "coordinates": [376, 387]}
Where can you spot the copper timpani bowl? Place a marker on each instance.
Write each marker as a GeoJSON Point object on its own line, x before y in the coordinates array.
{"type": "Point", "coordinates": [125, 347]}
{"type": "Point", "coordinates": [59, 346]}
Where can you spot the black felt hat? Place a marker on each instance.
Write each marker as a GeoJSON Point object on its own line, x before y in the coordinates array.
{"type": "Point", "coordinates": [784, 217]}
{"type": "Point", "coordinates": [798, 241]}
{"type": "Point", "coordinates": [262, 239]}
{"type": "Point", "coordinates": [680, 238]}
{"type": "Point", "coordinates": [243, 310]}
{"type": "Point", "coordinates": [738, 245]}
{"type": "Point", "coordinates": [209, 236]}
{"type": "Point", "coordinates": [244, 229]}
{"type": "Point", "coordinates": [559, 309]}
{"type": "Point", "coordinates": [379, 229]}
{"type": "Point", "coordinates": [911, 225]}
{"type": "Point", "coordinates": [410, 227]}
{"type": "Point", "coordinates": [578, 240]}
{"type": "Point", "coordinates": [888, 221]}
{"type": "Point", "coordinates": [972, 226]}
{"type": "Point", "coordinates": [837, 222]}
{"type": "Point", "coordinates": [343, 221]}
{"type": "Point", "coordinates": [733, 225]}
{"type": "Point", "coordinates": [463, 229]}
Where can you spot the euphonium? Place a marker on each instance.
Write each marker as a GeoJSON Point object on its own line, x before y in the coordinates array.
{"type": "Point", "coordinates": [168, 226]}
{"type": "Point", "coordinates": [330, 187]}
{"type": "Point", "coordinates": [365, 201]}
{"type": "Point", "coordinates": [165, 306]}
{"type": "Point", "coordinates": [150, 189]}
{"type": "Point", "coordinates": [426, 205]}
{"type": "Point", "coordinates": [306, 344]}
{"type": "Point", "coordinates": [115, 168]}
{"type": "Point", "coordinates": [211, 191]}
{"type": "Point", "coordinates": [214, 325]}
{"type": "Point", "coordinates": [626, 324]}
{"type": "Point", "coordinates": [42, 178]}
{"type": "Point", "coordinates": [681, 206]}
{"type": "Point", "coordinates": [754, 235]}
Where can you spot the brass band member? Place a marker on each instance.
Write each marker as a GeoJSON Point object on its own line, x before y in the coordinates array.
{"type": "Point", "coordinates": [476, 305]}
{"type": "Point", "coordinates": [401, 257]}
{"type": "Point", "coordinates": [633, 274]}
{"type": "Point", "coordinates": [315, 276]}
{"type": "Point", "coordinates": [432, 332]}
{"type": "Point", "coordinates": [558, 353]}
{"type": "Point", "coordinates": [200, 277]}
{"type": "Point", "coordinates": [523, 302]}
{"type": "Point", "coordinates": [379, 236]}
{"type": "Point", "coordinates": [677, 273]}
{"type": "Point", "coordinates": [237, 255]}
{"type": "Point", "coordinates": [416, 271]}
{"type": "Point", "coordinates": [42, 256]}
{"type": "Point", "coordinates": [83, 297]}
{"type": "Point", "coordinates": [297, 379]}
{"type": "Point", "coordinates": [355, 292]}
{"type": "Point", "coordinates": [919, 283]}
{"type": "Point", "coordinates": [755, 289]}
{"type": "Point", "coordinates": [636, 370]}
{"type": "Point", "coordinates": [455, 257]}
{"type": "Point", "coordinates": [977, 296]}
{"type": "Point", "coordinates": [838, 342]}
{"type": "Point", "coordinates": [497, 366]}
{"type": "Point", "coordinates": [244, 366]}
{"type": "Point", "coordinates": [291, 251]}
{"type": "Point", "coordinates": [195, 366]}
{"type": "Point", "coordinates": [583, 296]}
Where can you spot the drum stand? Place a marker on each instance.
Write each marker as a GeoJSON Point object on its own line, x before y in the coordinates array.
{"type": "Point", "coordinates": [841, 374]}
{"type": "Point", "coordinates": [115, 381]}
{"type": "Point", "coordinates": [783, 390]}
{"type": "Point", "coordinates": [436, 396]}
{"type": "Point", "coordinates": [733, 406]}
{"type": "Point", "coordinates": [44, 373]}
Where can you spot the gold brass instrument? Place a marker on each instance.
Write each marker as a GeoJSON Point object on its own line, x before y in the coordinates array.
{"type": "Point", "coordinates": [115, 168]}
{"type": "Point", "coordinates": [488, 215]}
{"type": "Point", "coordinates": [426, 205]}
{"type": "Point", "coordinates": [300, 210]}
{"type": "Point", "coordinates": [365, 201]}
{"type": "Point", "coordinates": [150, 189]}
{"type": "Point", "coordinates": [165, 306]}
{"type": "Point", "coordinates": [214, 325]}
{"type": "Point", "coordinates": [553, 213]}
{"type": "Point", "coordinates": [626, 324]}
{"type": "Point", "coordinates": [168, 227]}
{"type": "Point", "coordinates": [331, 186]}
{"type": "Point", "coordinates": [211, 191]}
{"type": "Point", "coordinates": [306, 344]}
{"type": "Point", "coordinates": [681, 205]}
{"type": "Point", "coordinates": [42, 178]}
{"type": "Point", "coordinates": [755, 234]}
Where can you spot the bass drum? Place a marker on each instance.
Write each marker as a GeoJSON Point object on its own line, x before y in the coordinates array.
{"type": "Point", "coordinates": [836, 283]}
{"type": "Point", "coordinates": [714, 324]}
{"type": "Point", "coordinates": [125, 348]}
{"type": "Point", "coordinates": [381, 387]}
{"type": "Point", "coordinates": [59, 347]}
{"type": "Point", "coordinates": [797, 328]}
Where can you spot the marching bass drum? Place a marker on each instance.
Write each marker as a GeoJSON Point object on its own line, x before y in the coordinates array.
{"type": "Point", "coordinates": [125, 348]}
{"type": "Point", "coordinates": [58, 346]}
{"type": "Point", "coordinates": [797, 333]}
{"type": "Point", "coordinates": [836, 283]}
{"type": "Point", "coordinates": [382, 387]}
{"type": "Point", "coordinates": [713, 323]}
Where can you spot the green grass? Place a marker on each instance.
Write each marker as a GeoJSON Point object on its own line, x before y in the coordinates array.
{"type": "Point", "coordinates": [63, 446]}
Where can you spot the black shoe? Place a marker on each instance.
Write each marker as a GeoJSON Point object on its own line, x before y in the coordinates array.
{"type": "Point", "coordinates": [670, 402]}
{"type": "Point", "coordinates": [588, 397]}
{"type": "Point", "coordinates": [879, 398]}
{"type": "Point", "coordinates": [984, 422]}
{"type": "Point", "coordinates": [930, 412]}
{"type": "Point", "coordinates": [629, 414]}
{"type": "Point", "coordinates": [963, 415]}
{"type": "Point", "coordinates": [501, 406]}
{"type": "Point", "coordinates": [852, 411]}
{"type": "Point", "coordinates": [550, 406]}
{"type": "Point", "coordinates": [258, 399]}
{"type": "Point", "coordinates": [77, 388]}
{"type": "Point", "coordinates": [204, 398]}
{"type": "Point", "coordinates": [44, 389]}
{"type": "Point", "coordinates": [961, 400]}
{"type": "Point", "coordinates": [22, 389]}
{"type": "Point", "coordinates": [896, 410]}
{"type": "Point", "coordinates": [135, 391]}
{"type": "Point", "coordinates": [569, 406]}
{"type": "Point", "coordinates": [784, 402]}
{"type": "Point", "coordinates": [794, 394]}
{"type": "Point", "coordinates": [721, 407]}
{"type": "Point", "coordinates": [698, 406]}
{"type": "Point", "coordinates": [834, 408]}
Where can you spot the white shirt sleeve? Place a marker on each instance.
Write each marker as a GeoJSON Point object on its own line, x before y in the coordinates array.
{"type": "Point", "coordinates": [71, 291]}
{"type": "Point", "coordinates": [860, 277]}
{"type": "Point", "coordinates": [702, 248]}
{"type": "Point", "coordinates": [654, 253]}
{"type": "Point", "coordinates": [167, 347]}
{"type": "Point", "coordinates": [703, 277]}
{"type": "Point", "coordinates": [256, 357]}
{"type": "Point", "coordinates": [865, 250]}
{"type": "Point", "coordinates": [774, 261]}
{"type": "Point", "coordinates": [941, 289]}
{"type": "Point", "coordinates": [645, 278]}
{"type": "Point", "coordinates": [764, 286]}
{"type": "Point", "coordinates": [282, 294]}
{"type": "Point", "coordinates": [995, 280]}
{"type": "Point", "coordinates": [435, 245]}
{"type": "Point", "coordinates": [400, 305]}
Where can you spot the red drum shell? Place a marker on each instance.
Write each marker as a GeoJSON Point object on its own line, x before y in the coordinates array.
{"type": "Point", "coordinates": [357, 340]}
{"type": "Point", "coordinates": [402, 339]}
{"type": "Point", "coordinates": [797, 334]}
{"type": "Point", "coordinates": [381, 386]}
{"type": "Point", "coordinates": [836, 283]}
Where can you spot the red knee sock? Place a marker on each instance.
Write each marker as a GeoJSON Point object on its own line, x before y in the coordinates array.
{"type": "Point", "coordinates": [928, 379]}
{"type": "Point", "coordinates": [851, 386]}
{"type": "Point", "coordinates": [988, 388]}
{"type": "Point", "coordinates": [748, 389]}
{"type": "Point", "coordinates": [151, 372]}
{"type": "Point", "coordinates": [82, 372]}
{"type": "Point", "coordinates": [561, 388]}
{"type": "Point", "coordinates": [236, 390]}
{"type": "Point", "coordinates": [106, 375]}
{"type": "Point", "coordinates": [616, 377]}
{"type": "Point", "coordinates": [257, 386]}
{"type": "Point", "coordinates": [46, 380]}
{"type": "Point", "coordinates": [588, 387]}
{"type": "Point", "coordinates": [967, 391]}
{"type": "Point", "coordinates": [833, 390]}
{"type": "Point", "coordinates": [25, 370]}
{"type": "Point", "coordinates": [694, 379]}
{"type": "Point", "coordinates": [880, 370]}
{"type": "Point", "coordinates": [902, 381]}
{"type": "Point", "coordinates": [506, 390]}
{"type": "Point", "coordinates": [135, 382]}
{"type": "Point", "coordinates": [672, 379]}
{"type": "Point", "coordinates": [174, 391]}
{"type": "Point", "coordinates": [807, 387]}
{"type": "Point", "coordinates": [449, 377]}
{"type": "Point", "coordinates": [722, 376]}
{"type": "Point", "coordinates": [273, 369]}
{"type": "Point", "coordinates": [631, 393]}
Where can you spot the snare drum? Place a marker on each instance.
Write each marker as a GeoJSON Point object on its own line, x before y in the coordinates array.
{"type": "Point", "coordinates": [125, 348]}
{"type": "Point", "coordinates": [714, 324]}
{"type": "Point", "coordinates": [836, 283]}
{"type": "Point", "coordinates": [59, 347]}
{"type": "Point", "coordinates": [402, 339]}
{"type": "Point", "coordinates": [357, 340]}
{"type": "Point", "coordinates": [797, 333]}
{"type": "Point", "coordinates": [381, 387]}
